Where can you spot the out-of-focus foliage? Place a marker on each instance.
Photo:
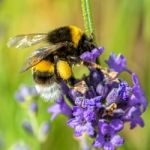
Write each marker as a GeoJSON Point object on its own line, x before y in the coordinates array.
{"type": "Point", "coordinates": [121, 26]}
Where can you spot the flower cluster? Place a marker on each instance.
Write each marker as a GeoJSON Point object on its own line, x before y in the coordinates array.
{"type": "Point", "coordinates": [102, 102]}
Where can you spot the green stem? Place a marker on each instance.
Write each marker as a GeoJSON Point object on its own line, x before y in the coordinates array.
{"type": "Point", "coordinates": [88, 19]}
{"type": "Point", "coordinates": [35, 126]}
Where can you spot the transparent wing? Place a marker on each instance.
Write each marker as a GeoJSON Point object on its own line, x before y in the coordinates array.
{"type": "Point", "coordinates": [38, 55]}
{"type": "Point", "coordinates": [23, 41]}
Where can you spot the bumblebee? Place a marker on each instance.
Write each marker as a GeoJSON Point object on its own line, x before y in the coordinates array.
{"type": "Point", "coordinates": [53, 62]}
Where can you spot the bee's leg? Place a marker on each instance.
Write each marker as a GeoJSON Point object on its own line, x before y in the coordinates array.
{"type": "Point", "coordinates": [91, 65]}
{"type": "Point", "coordinates": [78, 61]}
{"type": "Point", "coordinates": [56, 57]}
{"type": "Point", "coordinates": [70, 44]}
{"type": "Point", "coordinates": [74, 59]}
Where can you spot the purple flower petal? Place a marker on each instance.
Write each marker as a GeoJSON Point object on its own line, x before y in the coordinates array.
{"type": "Point", "coordinates": [55, 110]}
{"type": "Point", "coordinates": [24, 93]}
{"type": "Point", "coordinates": [89, 129]}
{"type": "Point", "coordinates": [33, 107]}
{"type": "Point", "coordinates": [90, 115]}
{"type": "Point", "coordinates": [28, 127]}
{"type": "Point", "coordinates": [96, 101]}
{"type": "Point", "coordinates": [97, 52]}
{"type": "Point", "coordinates": [93, 55]}
{"type": "Point", "coordinates": [117, 124]}
{"type": "Point", "coordinates": [102, 90]}
{"type": "Point", "coordinates": [124, 90]}
{"type": "Point", "coordinates": [99, 142]}
{"type": "Point", "coordinates": [139, 121]}
{"type": "Point", "coordinates": [109, 146]}
{"type": "Point", "coordinates": [79, 130]}
{"type": "Point", "coordinates": [134, 116]}
{"type": "Point", "coordinates": [112, 97]}
{"type": "Point", "coordinates": [61, 107]}
{"type": "Point", "coordinates": [44, 129]}
{"type": "Point", "coordinates": [72, 123]}
{"type": "Point", "coordinates": [117, 63]}
{"type": "Point", "coordinates": [137, 97]}
{"type": "Point", "coordinates": [105, 128]}
{"type": "Point", "coordinates": [117, 141]}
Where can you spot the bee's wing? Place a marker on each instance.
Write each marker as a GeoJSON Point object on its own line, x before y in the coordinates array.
{"type": "Point", "coordinates": [23, 41]}
{"type": "Point", "coordinates": [38, 55]}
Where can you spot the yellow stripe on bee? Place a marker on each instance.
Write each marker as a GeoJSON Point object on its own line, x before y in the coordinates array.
{"type": "Point", "coordinates": [64, 70]}
{"type": "Point", "coordinates": [44, 66]}
{"type": "Point", "coordinates": [76, 34]}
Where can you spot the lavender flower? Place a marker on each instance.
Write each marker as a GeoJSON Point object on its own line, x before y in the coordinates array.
{"type": "Point", "coordinates": [93, 55]}
{"type": "Point", "coordinates": [28, 127]}
{"type": "Point", "coordinates": [134, 117]}
{"type": "Point", "coordinates": [82, 121]}
{"type": "Point", "coordinates": [43, 131]}
{"type": "Point", "coordinates": [138, 97]}
{"type": "Point", "coordinates": [117, 63]}
{"type": "Point", "coordinates": [107, 137]}
{"type": "Point", "coordinates": [25, 93]}
{"type": "Point", "coordinates": [102, 102]}
{"type": "Point", "coordinates": [33, 107]}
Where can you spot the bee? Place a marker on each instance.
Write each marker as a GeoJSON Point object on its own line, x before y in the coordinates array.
{"type": "Point", "coordinates": [53, 63]}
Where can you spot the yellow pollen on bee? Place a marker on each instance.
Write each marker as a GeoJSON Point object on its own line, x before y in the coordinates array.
{"type": "Point", "coordinates": [76, 34]}
{"type": "Point", "coordinates": [64, 70]}
{"type": "Point", "coordinates": [44, 66]}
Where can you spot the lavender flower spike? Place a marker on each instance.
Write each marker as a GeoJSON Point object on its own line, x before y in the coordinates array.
{"type": "Point", "coordinates": [102, 102]}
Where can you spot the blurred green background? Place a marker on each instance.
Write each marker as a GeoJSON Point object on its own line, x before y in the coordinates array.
{"type": "Point", "coordinates": [122, 26]}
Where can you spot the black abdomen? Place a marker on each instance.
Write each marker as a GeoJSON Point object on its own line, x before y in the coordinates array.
{"type": "Point", "coordinates": [61, 34]}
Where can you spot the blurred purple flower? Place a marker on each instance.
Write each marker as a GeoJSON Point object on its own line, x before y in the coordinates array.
{"type": "Point", "coordinates": [24, 93]}
{"type": "Point", "coordinates": [28, 127]}
{"type": "Point", "coordinates": [33, 107]}
{"type": "Point", "coordinates": [45, 127]}
{"type": "Point", "coordinates": [44, 131]}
